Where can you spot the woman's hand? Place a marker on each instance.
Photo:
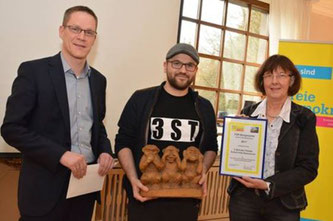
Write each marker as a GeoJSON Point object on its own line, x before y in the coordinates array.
{"type": "Point", "coordinates": [252, 183]}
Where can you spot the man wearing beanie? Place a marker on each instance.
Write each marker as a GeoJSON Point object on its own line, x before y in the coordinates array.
{"type": "Point", "coordinates": [149, 118]}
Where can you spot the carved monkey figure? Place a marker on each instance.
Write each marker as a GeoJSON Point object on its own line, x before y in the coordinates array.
{"type": "Point", "coordinates": [192, 167]}
{"type": "Point", "coordinates": [150, 165]}
{"type": "Point", "coordinates": [171, 174]}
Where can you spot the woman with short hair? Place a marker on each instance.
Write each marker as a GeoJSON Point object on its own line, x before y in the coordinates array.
{"type": "Point", "coordinates": [291, 157]}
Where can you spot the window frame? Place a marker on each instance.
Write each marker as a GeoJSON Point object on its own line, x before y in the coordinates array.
{"type": "Point", "coordinates": [218, 90]}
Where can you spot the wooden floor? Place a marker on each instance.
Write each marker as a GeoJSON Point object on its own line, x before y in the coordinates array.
{"type": "Point", "coordinates": [8, 192]}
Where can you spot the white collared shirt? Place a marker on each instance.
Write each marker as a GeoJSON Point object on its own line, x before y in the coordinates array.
{"type": "Point", "coordinates": [273, 132]}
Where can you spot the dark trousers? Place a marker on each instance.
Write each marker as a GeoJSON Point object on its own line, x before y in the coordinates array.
{"type": "Point", "coordinates": [246, 205]}
{"type": "Point", "coordinates": [74, 209]}
{"type": "Point", "coordinates": [164, 209]}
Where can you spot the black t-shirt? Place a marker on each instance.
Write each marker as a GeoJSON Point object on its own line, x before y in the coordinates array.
{"type": "Point", "coordinates": [174, 121]}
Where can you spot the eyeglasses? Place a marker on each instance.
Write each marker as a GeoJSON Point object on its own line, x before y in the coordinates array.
{"type": "Point", "coordinates": [78, 30]}
{"type": "Point", "coordinates": [178, 65]}
{"type": "Point", "coordinates": [279, 76]}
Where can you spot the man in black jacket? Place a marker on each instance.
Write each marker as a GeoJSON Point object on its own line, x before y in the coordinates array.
{"type": "Point", "coordinates": [54, 116]}
{"type": "Point", "coordinates": [169, 114]}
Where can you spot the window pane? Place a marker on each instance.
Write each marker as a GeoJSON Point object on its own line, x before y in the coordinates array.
{"type": "Point", "coordinates": [237, 16]}
{"type": "Point", "coordinates": [212, 11]}
{"type": "Point", "coordinates": [210, 40]}
{"type": "Point", "coordinates": [231, 76]}
{"type": "Point", "coordinates": [207, 73]}
{"type": "Point", "coordinates": [250, 72]}
{"type": "Point", "coordinates": [190, 8]}
{"type": "Point", "coordinates": [188, 33]}
{"type": "Point", "coordinates": [259, 22]}
{"type": "Point", "coordinates": [238, 62]}
{"type": "Point", "coordinates": [228, 104]}
{"type": "Point", "coordinates": [234, 46]}
{"type": "Point", "coordinates": [257, 49]}
{"type": "Point", "coordinates": [248, 100]}
{"type": "Point", "coordinates": [210, 95]}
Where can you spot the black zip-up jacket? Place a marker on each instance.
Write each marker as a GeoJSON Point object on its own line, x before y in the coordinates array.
{"type": "Point", "coordinates": [134, 125]}
{"type": "Point", "coordinates": [296, 158]}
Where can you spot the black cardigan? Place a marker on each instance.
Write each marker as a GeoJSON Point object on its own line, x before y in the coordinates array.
{"type": "Point", "coordinates": [296, 158]}
{"type": "Point", "coordinates": [134, 123]}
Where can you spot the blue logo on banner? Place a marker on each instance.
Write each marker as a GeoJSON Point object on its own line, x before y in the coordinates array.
{"type": "Point", "coordinates": [315, 72]}
{"type": "Point", "coordinates": [303, 219]}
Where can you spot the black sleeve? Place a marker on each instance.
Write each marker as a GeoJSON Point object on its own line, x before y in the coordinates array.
{"type": "Point", "coordinates": [15, 129]}
{"type": "Point", "coordinates": [210, 126]}
{"type": "Point", "coordinates": [104, 144]}
{"type": "Point", "coordinates": [306, 162]}
{"type": "Point", "coordinates": [126, 136]}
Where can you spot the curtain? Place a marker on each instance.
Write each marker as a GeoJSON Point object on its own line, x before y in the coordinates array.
{"type": "Point", "coordinates": [288, 19]}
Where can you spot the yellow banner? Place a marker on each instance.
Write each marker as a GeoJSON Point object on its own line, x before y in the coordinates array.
{"type": "Point", "coordinates": [314, 60]}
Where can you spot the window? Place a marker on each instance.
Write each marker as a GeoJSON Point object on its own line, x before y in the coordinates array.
{"type": "Point", "coordinates": [231, 37]}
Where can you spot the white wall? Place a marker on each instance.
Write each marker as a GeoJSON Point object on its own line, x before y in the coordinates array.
{"type": "Point", "coordinates": [321, 21]}
{"type": "Point", "coordinates": [133, 38]}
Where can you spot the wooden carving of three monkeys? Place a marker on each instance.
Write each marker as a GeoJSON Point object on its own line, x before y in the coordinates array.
{"type": "Point", "coordinates": [171, 172]}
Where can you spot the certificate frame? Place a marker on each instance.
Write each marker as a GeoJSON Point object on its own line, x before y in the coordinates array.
{"type": "Point", "coordinates": [243, 147]}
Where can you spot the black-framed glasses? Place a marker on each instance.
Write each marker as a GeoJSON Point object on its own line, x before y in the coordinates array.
{"type": "Point", "coordinates": [77, 30]}
{"type": "Point", "coordinates": [178, 65]}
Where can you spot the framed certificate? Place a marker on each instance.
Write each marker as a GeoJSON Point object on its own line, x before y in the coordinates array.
{"type": "Point", "coordinates": [243, 147]}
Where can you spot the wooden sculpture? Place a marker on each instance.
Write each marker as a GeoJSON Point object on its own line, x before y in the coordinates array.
{"type": "Point", "coordinates": [192, 167]}
{"type": "Point", "coordinates": [171, 176]}
{"type": "Point", "coordinates": [150, 165]}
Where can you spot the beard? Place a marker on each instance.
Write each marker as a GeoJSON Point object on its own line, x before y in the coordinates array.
{"type": "Point", "coordinates": [177, 84]}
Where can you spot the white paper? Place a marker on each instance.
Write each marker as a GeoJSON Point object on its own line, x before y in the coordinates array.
{"type": "Point", "coordinates": [243, 147]}
{"type": "Point", "coordinates": [91, 182]}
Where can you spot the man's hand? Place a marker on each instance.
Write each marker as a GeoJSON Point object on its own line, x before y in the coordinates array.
{"type": "Point", "coordinates": [75, 162]}
{"type": "Point", "coordinates": [203, 183]}
{"type": "Point", "coordinates": [252, 183]}
{"type": "Point", "coordinates": [126, 160]}
{"type": "Point", "coordinates": [137, 186]}
{"type": "Point", "coordinates": [106, 163]}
